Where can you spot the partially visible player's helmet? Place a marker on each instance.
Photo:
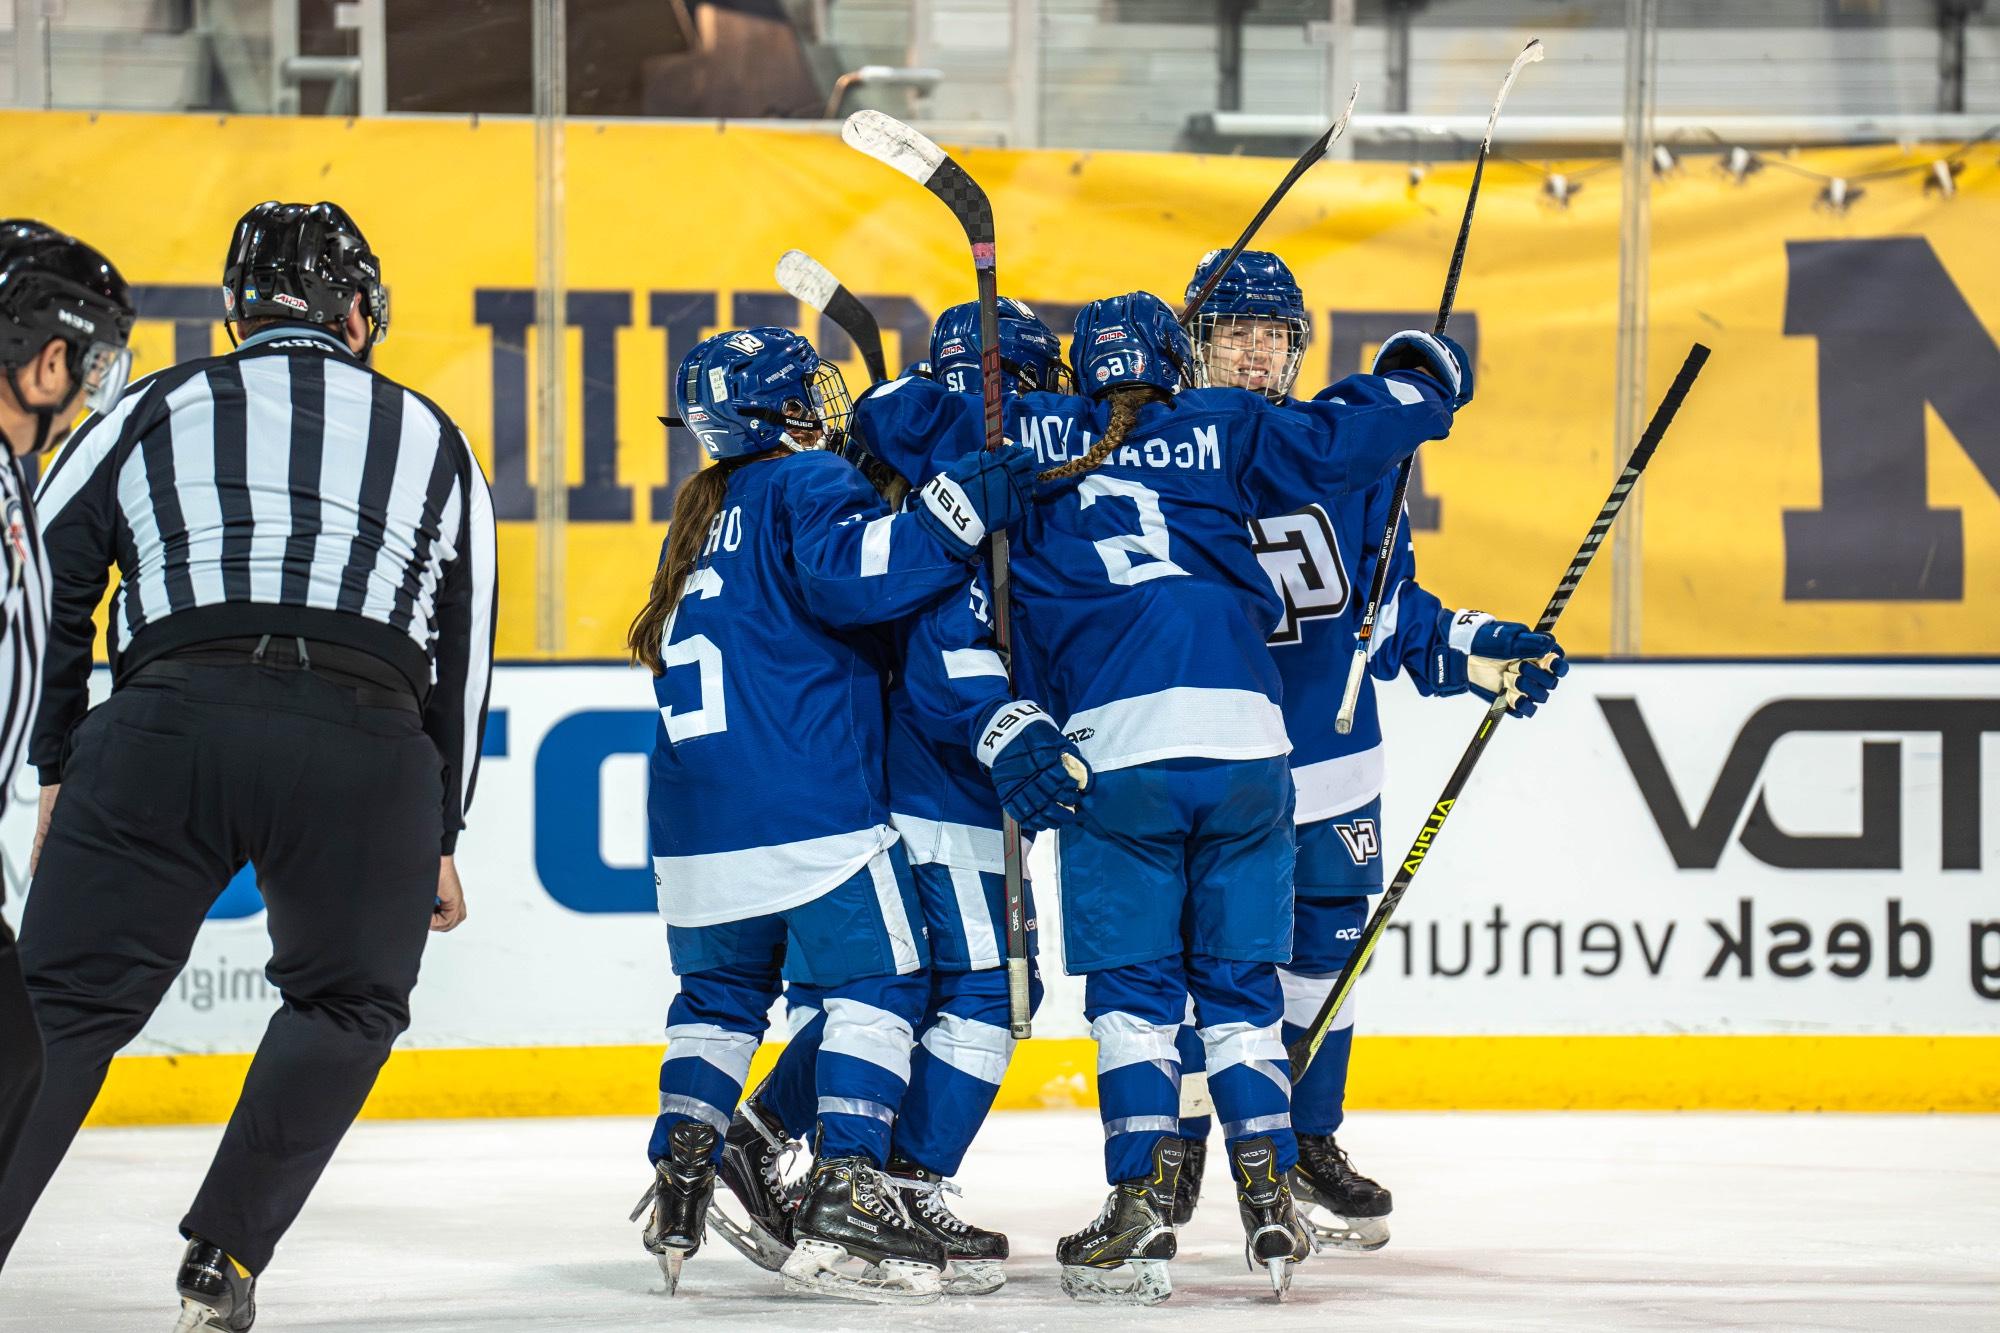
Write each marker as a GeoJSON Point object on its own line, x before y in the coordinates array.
{"type": "Point", "coordinates": [302, 262]}
{"type": "Point", "coordinates": [53, 286]}
{"type": "Point", "coordinates": [749, 391]}
{"type": "Point", "coordinates": [1030, 352]}
{"type": "Point", "coordinates": [917, 370]}
{"type": "Point", "coordinates": [1253, 330]}
{"type": "Point", "coordinates": [1131, 339]}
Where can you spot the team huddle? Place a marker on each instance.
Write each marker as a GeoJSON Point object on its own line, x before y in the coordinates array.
{"type": "Point", "coordinates": [842, 732]}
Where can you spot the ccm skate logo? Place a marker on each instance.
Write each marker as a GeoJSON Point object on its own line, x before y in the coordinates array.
{"type": "Point", "coordinates": [1422, 847]}
{"type": "Point", "coordinates": [1698, 844]}
{"type": "Point", "coordinates": [1364, 844]}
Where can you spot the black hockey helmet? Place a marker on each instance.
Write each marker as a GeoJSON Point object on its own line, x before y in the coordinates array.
{"type": "Point", "coordinates": [53, 286]}
{"type": "Point", "coordinates": [302, 262]}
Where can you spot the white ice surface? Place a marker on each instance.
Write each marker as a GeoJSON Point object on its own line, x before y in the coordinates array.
{"type": "Point", "coordinates": [1544, 1222]}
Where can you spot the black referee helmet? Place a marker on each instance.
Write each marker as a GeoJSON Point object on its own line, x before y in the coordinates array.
{"type": "Point", "coordinates": [302, 262]}
{"type": "Point", "coordinates": [54, 287]}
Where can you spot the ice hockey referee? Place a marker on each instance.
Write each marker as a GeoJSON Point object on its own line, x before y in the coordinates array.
{"type": "Point", "coordinates": [300, 644]}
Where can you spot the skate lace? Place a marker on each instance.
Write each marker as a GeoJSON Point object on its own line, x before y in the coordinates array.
{"type": "Point", "coordinates": [931, 1203]}
{"type": "Point", "coordinates": [780, 1154]}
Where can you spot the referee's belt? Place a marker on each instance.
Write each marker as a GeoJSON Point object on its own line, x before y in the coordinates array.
{"type": "Point", "coordinates": [375, 683]}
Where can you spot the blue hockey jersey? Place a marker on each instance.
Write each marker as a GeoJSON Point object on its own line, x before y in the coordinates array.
{"type": "Point", "coordinates": [1140, 602]}
{"type": "Point", "coordinates": [767, 771]}
{"type": "Point", "coordinates": [1320, 559]}
{"type": "Point", "coordinates": [950, 677]}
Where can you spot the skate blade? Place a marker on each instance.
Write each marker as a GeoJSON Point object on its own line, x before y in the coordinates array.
{"type": "Point", "coordinates": [1361, 1234]}
{"type": "Point", "coordinates": [974, 1277]}
{"type": "Point", "coordinates": [198, 1318]}
{"type": "Point", "coordinates": [1134, 1282]}
{"type": "Point", "coordinates": [821, 1268]}
{"type": "Point", "coordinates": [670, 1268]}
{"type": "Point", "coordinates": [1281, 1276]}
{"type": "Point", "coordinates": [748, 1239]}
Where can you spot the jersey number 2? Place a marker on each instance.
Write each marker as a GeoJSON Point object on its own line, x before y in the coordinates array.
{"type": "Point", "coordinates": [696, 650]}
{"type": "Point", "coordinates": [1149, 541]}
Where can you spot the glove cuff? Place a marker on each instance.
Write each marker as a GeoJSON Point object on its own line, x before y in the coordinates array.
{"type": "Point", "coordinates": [1465, 626]}
{"type": "Point", "coordinates": [1006, 724]}
{"type": "Point", "coordinates": [946, 502]}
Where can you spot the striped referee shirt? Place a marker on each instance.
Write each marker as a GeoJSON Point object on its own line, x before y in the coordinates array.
{"type": "Point", "coordinates": [284, 489]}
{"type": "Point", "coordinates": [24, 619]}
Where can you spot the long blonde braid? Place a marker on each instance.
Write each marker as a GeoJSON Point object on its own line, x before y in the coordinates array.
{"type": "Point", "coordinates": [1125, 405]}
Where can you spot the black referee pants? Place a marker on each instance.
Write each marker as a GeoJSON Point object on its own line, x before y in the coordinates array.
{"type": "Point", "coordinates": [186, 772]}
{"type": "Point", "coordinates": [20, 1049]}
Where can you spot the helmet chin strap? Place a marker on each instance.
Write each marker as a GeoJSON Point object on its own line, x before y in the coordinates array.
{"type": "Point", "coordinates": [45, 417]}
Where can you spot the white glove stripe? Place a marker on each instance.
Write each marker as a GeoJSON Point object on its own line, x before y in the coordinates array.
{"type": "Point", "coordinates": [1004, 726]}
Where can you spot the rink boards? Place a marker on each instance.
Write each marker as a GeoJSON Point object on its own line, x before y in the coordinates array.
{"type": "Point", "coordinates": [1686, 885]}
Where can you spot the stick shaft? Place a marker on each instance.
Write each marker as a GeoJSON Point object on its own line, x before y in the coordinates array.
{"type": "Point", "coordinates": [1316, 150]}
{"type": "Point", "coordinates": [1307, 1046]}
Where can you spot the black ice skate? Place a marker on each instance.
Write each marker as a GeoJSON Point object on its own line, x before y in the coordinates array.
{"type": "Point", "coordinates": [216, 1291]}
{"type": "Point", "coordinates": [1343, 1207]}
{"type": "Point", "coordinates": [754, 1153]}
{"type": "Point", "coordinates": [683, 1183]}
{"type": "Point", "coordinates": [1187, 1193]}
{"type": "Point", "coordinates": [1121, 1258]}
{"type": "Point", "coordinates": [977, 1257]}
{"type": "Point", "coordinates": [852, 1238]}
{"type": "Point", "coordinates": [1273, 1235]}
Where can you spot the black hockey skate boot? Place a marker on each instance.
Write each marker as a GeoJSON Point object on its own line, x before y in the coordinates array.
{"type": "Point", "coordinates": [216, 1291]}
{"type": "Point", "coordinates": [754, 1153]}
{"type": "Point", "coordinates": [852, 1238]}
{"type": "Point", "coordinates": [682, 1186]}
{"type": "Point", "coordinates": [1187, 1194]}
{"type": "Point", "coordinates": [1343, 1207]}
{"type": "Point", "coordinates": [1121, 1258]}
{"type": "Point", "coordinates": [1273, 1235]}
{"type": "Point", "coordinates": [977, 1256]}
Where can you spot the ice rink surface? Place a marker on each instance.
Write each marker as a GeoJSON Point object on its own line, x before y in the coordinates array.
{"type": "Point", "coordinates": [1503, 1221]}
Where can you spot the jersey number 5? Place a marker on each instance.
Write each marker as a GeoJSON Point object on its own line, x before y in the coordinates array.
{"type": "Point", "coordinates": [696, 650]}
{"type": "Point", "coordinates": [1149, 541]}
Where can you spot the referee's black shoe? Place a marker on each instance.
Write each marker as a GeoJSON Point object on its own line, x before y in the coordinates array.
{"type": "Point", "coordinates": [217, 1293]}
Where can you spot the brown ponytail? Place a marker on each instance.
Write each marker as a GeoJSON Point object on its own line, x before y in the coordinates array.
{"type": "Point", "coordinates": [695, 509]}
{"type": "Point", "coordinates": [1125, 405]}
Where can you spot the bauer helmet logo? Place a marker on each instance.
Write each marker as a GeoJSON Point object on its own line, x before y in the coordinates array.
{"type": "Point", "coordinates": [744, 342]}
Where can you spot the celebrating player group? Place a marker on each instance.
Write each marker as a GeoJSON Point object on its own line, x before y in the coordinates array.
{"type": "Point", "coordinates": [883, 640]}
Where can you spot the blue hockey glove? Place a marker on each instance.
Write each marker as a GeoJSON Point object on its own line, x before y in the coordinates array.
{"type": "Point", "coordinates": [1038, 772]}
{"type": "Point", "coordinates": [982, 492]}
{"type": "Point", "coordinates": [1434, 354]}
{"type": "Point", "coordinates": [1491, 657]}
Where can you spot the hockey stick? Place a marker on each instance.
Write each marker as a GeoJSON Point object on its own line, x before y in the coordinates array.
{"type": "Point", "coordinates": [895, 144]}
{"type": "Point", "coordinates": [812, 282]}
{"type": "Point", "coordinates": [1378, 587]}
{"type": "Point", "coordinates": [1316, 150]}
{"type": "Point", "coordinates": [1303, 1050]}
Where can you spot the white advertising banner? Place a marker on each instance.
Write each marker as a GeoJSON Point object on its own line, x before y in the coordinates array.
{"type": "Point", "coordinates": [1667, 848]}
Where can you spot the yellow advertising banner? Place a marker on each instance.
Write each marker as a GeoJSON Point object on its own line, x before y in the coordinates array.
{"type": "Point", "coordinates": [1829, 489]}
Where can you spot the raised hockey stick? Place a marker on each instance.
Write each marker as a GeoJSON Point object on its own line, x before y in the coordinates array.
{"type": "Point", "coordinates": [813, 282]}
{"type": "Point", "coordinates": [1303, 1050]}
{"type": "Point", "coordinates": [895, 144]}
{"type": "Point", "coordinates": [1315, 150]}
{"type": "Point", "coordinates": [1378, 587]}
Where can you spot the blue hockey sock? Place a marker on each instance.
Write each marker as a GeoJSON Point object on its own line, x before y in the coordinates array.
{"type": "Point", "coordinates": [1135, 1012]}
{"type": "Point", "coordinates": [863, 1068]}
{"type": "Point", "coordinates": [713, 1028]}
{"type": "Point", "coordinates": [1240, 1006]}
{"type": "Point", "coordinates": [956, 1069]}
{"type": "Point", "coordinates": [791, 1093]}
{"type": "Point", "coordinates": [1326, 931]}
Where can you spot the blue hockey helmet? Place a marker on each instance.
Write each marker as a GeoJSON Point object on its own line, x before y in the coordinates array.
{"type": "Point", "coordinates": [1131, 339]}
{"type": "Point", "coordinates": [1030, 352]}
{"type": "Point", "coordinates": [751, 390]}
{"type": "Point", "coordinates": [1253, 330]}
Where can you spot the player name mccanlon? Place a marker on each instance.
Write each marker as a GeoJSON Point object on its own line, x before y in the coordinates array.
{"type": "Point", "coordinates": [1049, 438]}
